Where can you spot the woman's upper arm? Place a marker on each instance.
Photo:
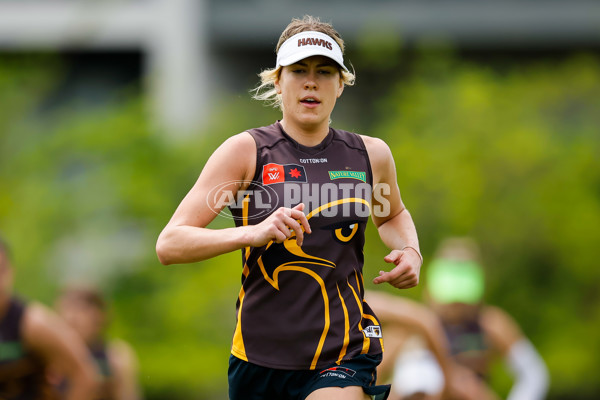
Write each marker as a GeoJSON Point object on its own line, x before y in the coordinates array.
{"type": "Point", "coordinates": [231, 167]}
{"type": "Point", "coordinates": [501, 329]}
{"type": "Point", "coordinates": [48, 336]}
{"type": "Point", "coordinates": [387, 202]}
{"type": "Point", "coordinates": [124, 364]}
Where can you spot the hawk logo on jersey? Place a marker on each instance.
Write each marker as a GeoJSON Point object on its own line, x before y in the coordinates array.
{"type": "Point", "coordinates": [373, 331]}
{"type": "Point", "coordinates": [286, 266]}
{"type": "Point", "coordinates": [277, 173]}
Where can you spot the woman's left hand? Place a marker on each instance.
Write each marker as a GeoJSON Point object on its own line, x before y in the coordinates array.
{"type": "Point", "coordinates": [405, 274]}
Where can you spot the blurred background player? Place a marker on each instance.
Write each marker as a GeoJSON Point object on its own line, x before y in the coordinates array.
{"type": "Point", "coordinates": [445, 351]}
{"type": "Point", "coordinates": [84, 309]}
{"type": "Point", "coordinates": [414, 338]}
{"type": "Point", "coordinates": [476, 332]}
{"type": "Point", "coordinates": [34, 340]}
{"type": "Point", "coordinates": [417, 360]}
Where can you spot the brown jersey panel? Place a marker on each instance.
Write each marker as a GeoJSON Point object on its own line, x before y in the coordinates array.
{"type": "Point", "coordinates": [22, 375]}
{"type": "Point", "coordinates": [303, 306]}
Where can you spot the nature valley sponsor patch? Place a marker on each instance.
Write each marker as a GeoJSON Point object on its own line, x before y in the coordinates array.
{"type": "Point", "coordinates": [360, 175]}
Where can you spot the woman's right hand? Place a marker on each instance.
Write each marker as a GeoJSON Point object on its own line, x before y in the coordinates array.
{"type": "Point", "coordinates": [282, 224]}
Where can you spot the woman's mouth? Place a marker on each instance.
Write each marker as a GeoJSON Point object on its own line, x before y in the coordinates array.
{"type": "Point", "coordinates": [310, 102]}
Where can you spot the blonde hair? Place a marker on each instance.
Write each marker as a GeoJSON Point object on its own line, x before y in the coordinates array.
{"type": "Point", "coordinates": [88, 294]}
{"type": "Point", "coordinates": [266, 90]}
{"type": "Point", "coordinates": [459, 248]}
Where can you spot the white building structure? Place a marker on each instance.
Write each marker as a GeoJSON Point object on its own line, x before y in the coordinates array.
{"type": "Point", "coordinates": [179, 38]}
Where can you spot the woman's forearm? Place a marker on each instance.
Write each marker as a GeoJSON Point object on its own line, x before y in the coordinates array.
{"type": "Point", "coordinates": [187, 244]}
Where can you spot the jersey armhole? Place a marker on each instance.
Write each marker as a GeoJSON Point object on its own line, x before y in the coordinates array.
{"type": "Point", "coordinates": [364, 148]}
{"type": "Point", "coordinates": [258, 162]}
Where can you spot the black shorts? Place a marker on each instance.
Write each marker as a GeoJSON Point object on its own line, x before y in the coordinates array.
{"type": "Point", "coordinates": [249, 381]}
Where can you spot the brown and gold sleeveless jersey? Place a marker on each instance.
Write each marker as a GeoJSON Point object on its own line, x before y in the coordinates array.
{"type": "Point", "coordinates": [22, 376]}
{"type": "Point", "coordinates": [302, 307]}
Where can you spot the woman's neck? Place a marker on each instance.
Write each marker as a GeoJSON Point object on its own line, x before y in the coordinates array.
{"type": "Point", "coordinates": [306, 136]}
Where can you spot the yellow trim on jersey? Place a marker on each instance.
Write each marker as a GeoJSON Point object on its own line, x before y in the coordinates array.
{"type": "Point", "coordinates": [366, 341]}
{"type": "Point", "coordinates": [337, 203]}
{"type": "Point", "coordinates": [238, 348]}
{"type": "Point", "coordinates": [283, 267]}
{"type": "Point", "coordinates": [340, 235]}
{"type": "Point", "coordinates": [310, 272]}
{"type": "Point", "coordinates": [245, 206]}
{"type": "Point", "coordinates": [346, 328]}
{"type": "Point", "coordinates": [261, 265]}
{"type": "Point", "coordinates": [372, 318]}
{"type": "Point", "coordinates": [246, 270]}
{"type": "Point", "coordinates": [291, 245]}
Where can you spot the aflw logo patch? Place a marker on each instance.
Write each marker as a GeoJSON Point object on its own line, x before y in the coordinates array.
{"type": "Point", "coordinates": [373, 331]}
{"type": "Point", "coordinates": [277, 173]}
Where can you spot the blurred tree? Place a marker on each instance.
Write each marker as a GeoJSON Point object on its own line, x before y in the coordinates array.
{"type": "Point", "coordinates": [511, 158]}
{"type": "Point", "coordinates": [83, 196]}
{"type": "Point", "coordinates": [508, 157]}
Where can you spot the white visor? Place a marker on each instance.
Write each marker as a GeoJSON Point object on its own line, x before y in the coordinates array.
{"type": "Point", "coordinates": [307, 44]}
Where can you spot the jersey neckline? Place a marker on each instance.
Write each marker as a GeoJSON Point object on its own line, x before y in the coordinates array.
{"type": "Point", "coordinates": [308, 149]}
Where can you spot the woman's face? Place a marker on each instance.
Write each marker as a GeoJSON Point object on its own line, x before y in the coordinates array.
{"type": "Point", "coordinates": [6, 276]}
{"type": "Point", "coordinates": [309, 90]}
{"type": "Point", "coordinates": [86, 319]}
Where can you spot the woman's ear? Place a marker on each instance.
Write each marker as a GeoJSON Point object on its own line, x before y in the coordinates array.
{"type": "Point", "coordinates": [340, 89]}
{"type": "Point", "coordinates": [277, 80]}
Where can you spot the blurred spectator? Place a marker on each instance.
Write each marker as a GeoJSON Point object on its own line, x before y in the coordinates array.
{"type": "Point", "coordinates": [33, 340]}
{"type": "Point", "coordinates": [478, 332]}
{"type": "Point", "coordinates": [417, 359]}
{"type": "Point", "coordinates": [84, 309]}
{"type": "Point", "coordinates": [419, 340]}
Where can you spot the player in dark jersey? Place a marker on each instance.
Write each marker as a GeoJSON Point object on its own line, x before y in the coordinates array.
{"type": "Point", "coordinates": [34, 342]}
{"type": "Point", "coordinates": [83, 307]}
{"type": "Point", "coordinates": [300, 193]}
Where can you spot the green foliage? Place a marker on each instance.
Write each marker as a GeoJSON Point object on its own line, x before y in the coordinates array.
{"type": "Point", "coordinates": [508, 157]}
{"type": "Point", "coordinates": [84, 195]}
{"type": "Point", "coordinates": [511, 159]}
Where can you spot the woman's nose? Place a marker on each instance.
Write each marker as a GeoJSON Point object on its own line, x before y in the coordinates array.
{"type": "Point", "coordinates": [310, 83]}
